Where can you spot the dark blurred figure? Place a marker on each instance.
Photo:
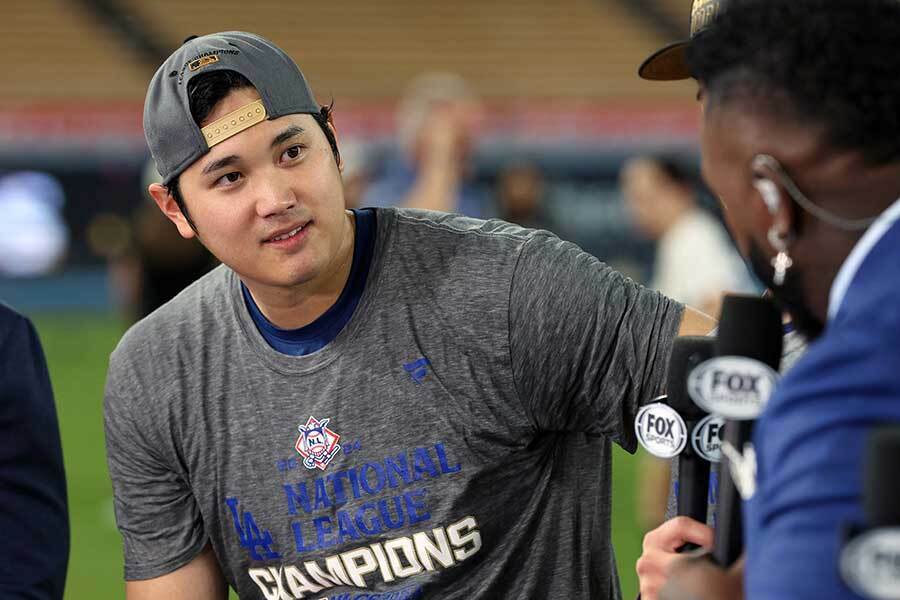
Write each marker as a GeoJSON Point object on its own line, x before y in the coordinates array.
{"type": "Point", "coordinates": [162, 263]}
{"type": "Point", "coordinates": [520, 197]}
{"type": "Point", "coordinates": [436, 124]}
{"type": "Point", "coordinates": [34, 516]}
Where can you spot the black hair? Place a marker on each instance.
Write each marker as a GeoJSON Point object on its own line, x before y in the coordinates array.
{"type": "Point", "coordinates": [675, 170]}
{"type": "Point", "coordinates": [830, 64]}
{"type": "Point", "coordinates": [206, 91]}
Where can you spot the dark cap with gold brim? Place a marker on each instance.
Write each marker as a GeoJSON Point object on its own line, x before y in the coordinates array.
{"type": "Point", "coordinates": [670, 63]}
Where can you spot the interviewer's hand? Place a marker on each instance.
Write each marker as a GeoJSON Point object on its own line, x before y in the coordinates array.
{"type": "Point", "coordinates": [698, 578]}
{"type": "Point", "coordinates": [660, 545]}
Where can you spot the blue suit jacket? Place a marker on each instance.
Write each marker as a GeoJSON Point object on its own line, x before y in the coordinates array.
{"type": "Point", "coordinates": [34, 522]}
{"type": "Point", "coordinates": [811, 438]}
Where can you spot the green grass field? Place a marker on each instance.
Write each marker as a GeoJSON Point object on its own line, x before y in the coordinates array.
{"type": "Point", "coordinates": [77, 347]}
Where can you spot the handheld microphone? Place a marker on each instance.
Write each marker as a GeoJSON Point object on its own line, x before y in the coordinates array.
{"type": "Point", "coordinates": [736, 385]}
{"type": "Point", "coordinates": [692, 493]}
{"type": "Point", "coordinates": [681, 416]}
{"type": "Point", "coordinates": [870, 560]}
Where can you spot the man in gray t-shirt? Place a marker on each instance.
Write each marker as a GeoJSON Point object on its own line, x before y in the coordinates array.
{"type": "Point", "coordinates": [376, 404]}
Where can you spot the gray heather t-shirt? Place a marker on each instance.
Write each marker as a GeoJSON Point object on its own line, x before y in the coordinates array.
{"type": "Point", "coordinates": [451, 442]}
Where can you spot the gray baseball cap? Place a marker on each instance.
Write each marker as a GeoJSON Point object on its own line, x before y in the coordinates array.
{"type": "Point", "coordinates": [175, 140]}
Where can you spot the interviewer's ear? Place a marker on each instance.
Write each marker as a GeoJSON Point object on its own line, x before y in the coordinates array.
{"type": "Point", "coordinates": [772, 194]}
{"type": "Point", "coordinates": [166, 203]}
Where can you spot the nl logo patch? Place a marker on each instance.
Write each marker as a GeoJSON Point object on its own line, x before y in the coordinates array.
{"type": "Point", "coordinates": [317, 444]}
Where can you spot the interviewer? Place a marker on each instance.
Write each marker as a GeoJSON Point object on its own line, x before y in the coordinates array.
{"type": "Point", "coordinates": [801, 142]}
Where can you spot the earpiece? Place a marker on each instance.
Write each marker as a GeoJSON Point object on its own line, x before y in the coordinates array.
{"type": "Point", "coordinates": [769, 192]}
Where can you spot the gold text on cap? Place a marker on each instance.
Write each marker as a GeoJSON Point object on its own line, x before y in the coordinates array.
{"type": "Point", "coordinates": [234, 122]}
{"type": "Point", "coordinates": [202, 62]}
{"type": "Point", "coordinates": [703, 13]}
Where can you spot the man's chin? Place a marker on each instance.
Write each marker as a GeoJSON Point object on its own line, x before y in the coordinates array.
{"type": "Point", "coordinates": [275, 280]}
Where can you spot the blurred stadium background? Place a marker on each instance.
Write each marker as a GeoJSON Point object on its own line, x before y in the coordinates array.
{"type": "Point", "coordinates": [557, 79]}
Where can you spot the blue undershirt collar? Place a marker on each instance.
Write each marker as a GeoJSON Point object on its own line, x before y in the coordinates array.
{"type": "Point", "coordinates": [319, 333]}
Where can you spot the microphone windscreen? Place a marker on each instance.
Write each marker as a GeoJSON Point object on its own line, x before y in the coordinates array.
{"type": "Point", "coordinates": [750, 326]}
{"type": "Point", "coordinates": [882, 484]}
{"type": "Point", "coordinates": [687, 353]}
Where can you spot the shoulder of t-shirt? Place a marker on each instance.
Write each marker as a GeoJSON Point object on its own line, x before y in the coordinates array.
{"type": "Point", "coordinates": [496, 230]}
{"type": "Point", "coordinates": [181, 318]}
{"type": "Point", "coordinates": [493, 243]}
{"type": "Point", "coordinates": [459, 255]}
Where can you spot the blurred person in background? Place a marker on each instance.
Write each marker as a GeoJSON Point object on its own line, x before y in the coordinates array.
{"type": "Point", "coordinates": [34, 515]}
{"type": "Point", "coordinates": [520, 194]}
{"type": "Point", "coordinates": [33, 234]}
{"type": "Point", "coordinates": [696, 263]}
{"type": "Point", "coordinates": [357, 173]}
{"type": "Point", "coordinates": [161, 263]}
{"type": "Point", "coordinates": [437, 120]}
{"type": "Point", "coordinates": [800, 142]}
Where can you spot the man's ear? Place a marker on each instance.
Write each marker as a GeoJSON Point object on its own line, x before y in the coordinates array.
{"type": "Point", "coordinates": [340, 159]}
{"type": "Point", "coordinates": [166, 203]}
{"type": "Point", "coordinates": [773, 196]}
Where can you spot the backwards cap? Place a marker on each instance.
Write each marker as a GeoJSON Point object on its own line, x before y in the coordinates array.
{"type": "Point", "coordinates": [175, 140]}
{"type": "Point", "coordinates": [670, 62]}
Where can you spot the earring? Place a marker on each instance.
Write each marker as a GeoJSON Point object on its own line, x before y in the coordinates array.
{"type": "Point", "coordinates": [782, 262]}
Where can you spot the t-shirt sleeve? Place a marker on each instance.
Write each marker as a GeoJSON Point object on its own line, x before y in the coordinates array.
{"type": "Point", "coordinates": [156, 512]}
{"type": "Point", "coordinates": [34, 519]}
{"type": "Point", "coordinates": [810, 455]}
{"type": "Point", "coordinates": [588, 345]}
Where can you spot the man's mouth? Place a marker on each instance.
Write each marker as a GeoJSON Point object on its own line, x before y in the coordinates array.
{"type": "Point", "coordinates": [286, 235]}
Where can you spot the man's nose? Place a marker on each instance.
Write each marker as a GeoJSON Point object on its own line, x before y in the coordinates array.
{"type": "Point", "coordinates": [275, 196]}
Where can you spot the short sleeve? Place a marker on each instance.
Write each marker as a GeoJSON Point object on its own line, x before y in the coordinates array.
{"type": "Point", "coordinates": [156, 512]}
{"type": "Point", "coordinates": [588, 344]}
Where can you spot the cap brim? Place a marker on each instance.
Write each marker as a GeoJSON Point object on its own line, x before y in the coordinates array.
{"type": "Point", "coordinates": [667, 64]}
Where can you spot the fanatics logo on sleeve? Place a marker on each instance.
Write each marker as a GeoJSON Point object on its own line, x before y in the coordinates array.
{"type": "Point", "coordinates": [417, 369]}
{"type": "Point", "coordinates": [317, 444]}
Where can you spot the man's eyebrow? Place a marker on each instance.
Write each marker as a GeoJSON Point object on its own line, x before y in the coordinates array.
{"type": "Point", "coordinates": [292, 131]}
{"type": "Point", "coordinates": [220, 163]}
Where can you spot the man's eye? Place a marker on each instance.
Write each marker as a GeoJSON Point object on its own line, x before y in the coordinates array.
{"type": "Point", "coordinates": [292, 153]}
{"type": "Point", "coordinates": [229, 178]}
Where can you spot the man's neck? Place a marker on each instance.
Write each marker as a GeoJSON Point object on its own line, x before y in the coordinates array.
{"type": "Point", "coordinates": [862, 192]}
{"type": "Point", "coordinates": [300, 305]}
{"type": "Point", "coordinates": [818, 286]}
